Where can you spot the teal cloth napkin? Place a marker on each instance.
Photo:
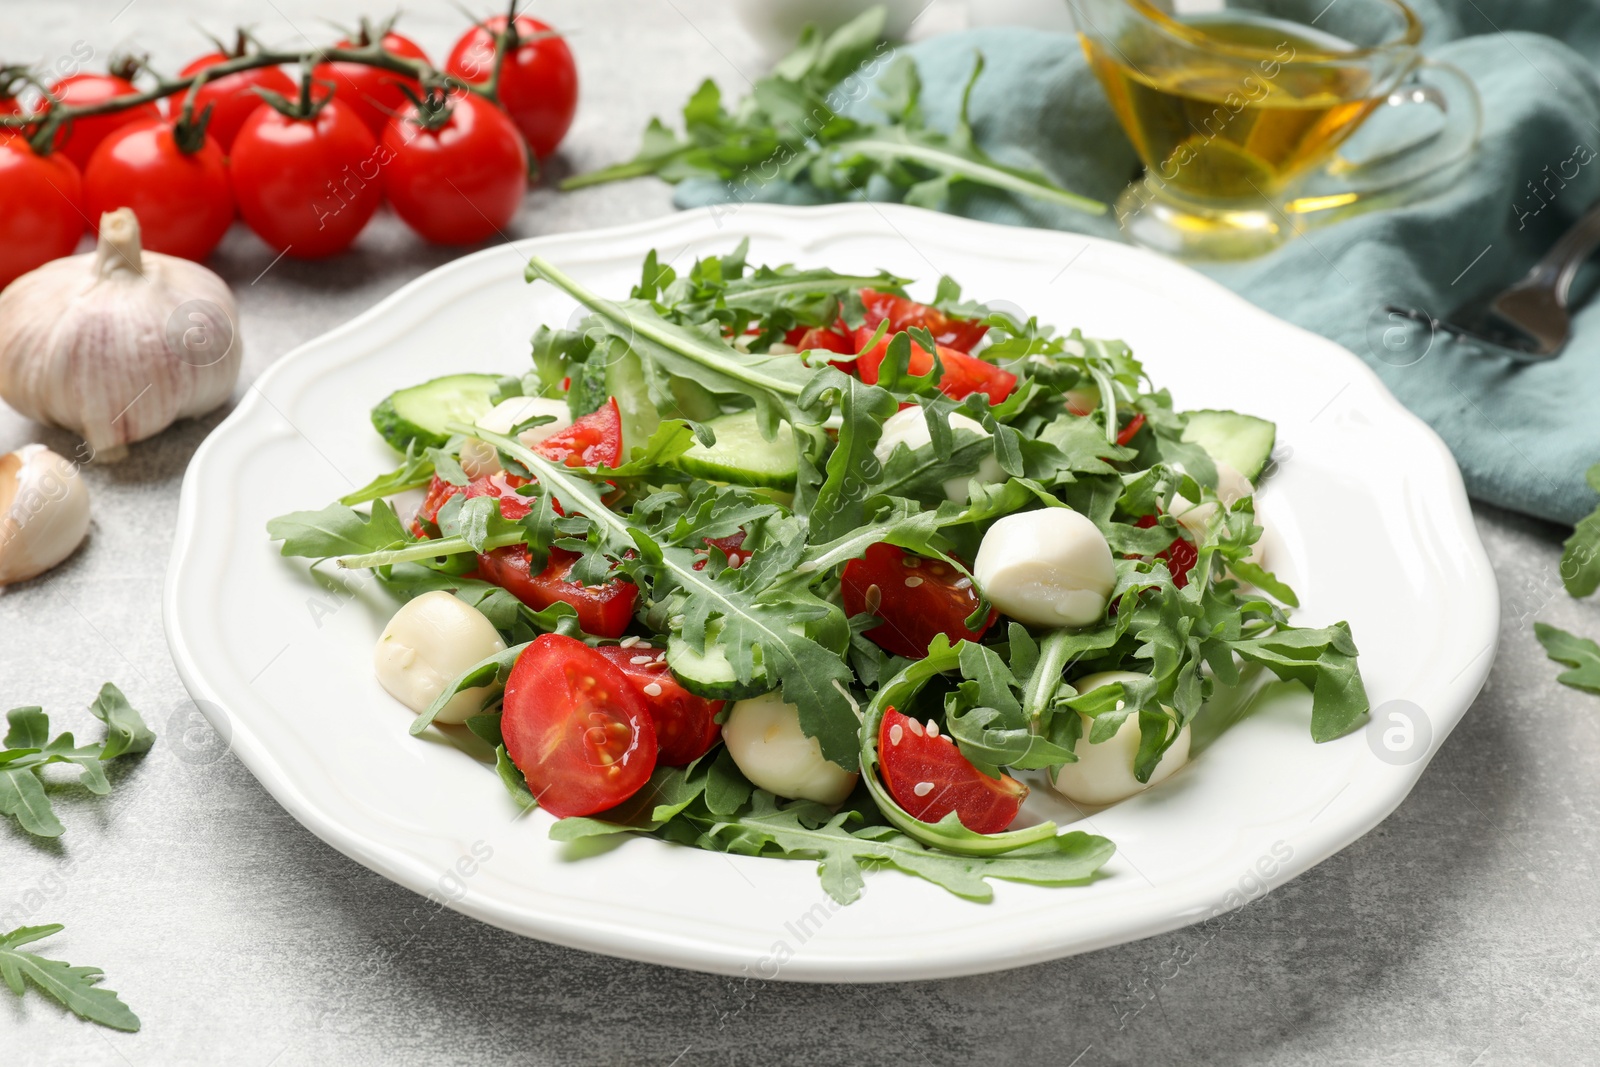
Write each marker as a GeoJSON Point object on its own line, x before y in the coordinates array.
{"type": "Point", "coordinates": [1523, 434]}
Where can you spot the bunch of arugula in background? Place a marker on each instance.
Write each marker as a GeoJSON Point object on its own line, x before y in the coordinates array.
{"type": "Point", "coordinates": [28, 749]}
{"type": "Point", "coordinates": [1580, 574]}
{"type": "Point", "coordinates": [789, 129]}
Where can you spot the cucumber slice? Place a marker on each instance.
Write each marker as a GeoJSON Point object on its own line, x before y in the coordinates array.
{"type": "Point", "coordinates": [422, 412]}
{"type": "Point", "coordinates": [709, 674]}
{"type": "Point", "coordinates": [742, 456]}
{"type": "Point", "coordinates": [1243, 442]}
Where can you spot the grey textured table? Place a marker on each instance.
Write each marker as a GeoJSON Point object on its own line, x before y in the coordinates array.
{"type": "Point", "coordinates": [1461, 931]}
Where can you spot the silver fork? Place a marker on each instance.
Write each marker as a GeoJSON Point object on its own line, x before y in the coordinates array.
{"type": "Point", "coordinates": [1528, 322]}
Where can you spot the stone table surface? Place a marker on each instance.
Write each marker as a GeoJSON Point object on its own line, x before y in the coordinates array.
{"type": "Point", "coordinates": [1460, 931]}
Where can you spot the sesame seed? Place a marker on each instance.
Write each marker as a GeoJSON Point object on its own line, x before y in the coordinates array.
{"type": "Point", "coordinates": [629, 642]}
{"type": "Point", "coordinates": [922, 789]}
{"type": "Point", "coordinates": [653, 689]}
{"type": "Point", "coordinates": [933, 728]}
{"type": "Point", "coordinates": [643, 645]}
{"type": "Point", "coordinates": [896, 732]}
{"type": "Point", "coordinates": [965, 583]}
{"type": "Point", "coordinates": [916, 727]}
{"type": "Point", "coordinates": [636, 660]}
{"type": "Point", "coordinates": [874, 599]}
{"type": "Point", "coordinates": [913, 581]}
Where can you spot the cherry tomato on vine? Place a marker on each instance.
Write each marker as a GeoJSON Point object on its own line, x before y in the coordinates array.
{"type": "Point", "coordinates": [538, 82]}
{"type": "Point", "coordinates": [79, 138]}
{"type": "Point", "coordinates": [183, 199]}
{"type": "Point", "coordinates": [374, 94]}
{"type": "Point", "coordinates": [232, 97]}
{"type": "Point", "coordinates": [308, 186]}
{"type": "Point", "coordinates": [686, 725]}
{"type": "Point", "coordinates": [576, 728]}
{"type": "Point", "coordinates": [916, 597]}
{"type": "Point", "coordinates": [461, 181]}
{"type": "Point", "coordinates": [929, 777]}
{"type": "Point", "coordinates": [43, 216]}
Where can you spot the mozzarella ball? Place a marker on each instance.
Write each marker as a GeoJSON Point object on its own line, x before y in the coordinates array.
{"type": "Point", "coordinates": [765, 740]}
{"type": "Point", "coordinates": [1104, 772]}
{"type": "Point", "coordinates": [1232, 487]}
{"type": "Point", "coordinates": [429, 643]}
{"type": "Point", "coordinates": [479, 458]}
{"type": "Point", "coordinates": [1084, 400]}
{"type": "Point", "coordinates": [1050, 567]}
{"type": "Point", "coordinates": [910, 428]}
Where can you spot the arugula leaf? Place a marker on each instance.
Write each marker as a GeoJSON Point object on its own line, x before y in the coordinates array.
{"type": "Point", "coordinates": [77, 988]}
{"type": "Point", "coordinates": [414, 472]}
{"type": "Point", "coordinates": [1324, 660]}
{"type": "Point", "coordinates": [28, 748]}
{"type": "Point", "coordinates": [1579, 653]}
{"type": "Point", "coordinates": [515, 783]}
{"type": "Point", "coordinates": [22, 797]}
{"type": "Point", "coordinates": [789, 129]}
{"type": "Point", "coordinates": [337, 530]}
{"type": "Point", "coordinates": [1580, 556]}
{"type": "Point", "coordinates": [126, 732]}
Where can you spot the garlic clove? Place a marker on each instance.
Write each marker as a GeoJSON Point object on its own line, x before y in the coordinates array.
{"type": "Point", "coordinates": [119, 343]}
{"type": "Point", "coordinates": [44, 512]}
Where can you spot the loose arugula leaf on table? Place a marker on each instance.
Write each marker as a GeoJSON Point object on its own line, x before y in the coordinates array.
{"type": "Point", "coordinates": [1579, 653]}
{"type": "Point", "coordinates": [1580, 557]}
{"type": "Point", "coordinates": [28, 747]}
{"type": "Point", "coordinates": [77, 988]}
{"type": "Point", "coordinates": [789, 129]}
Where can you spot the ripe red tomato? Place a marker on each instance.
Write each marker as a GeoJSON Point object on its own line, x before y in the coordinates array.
{"type": "Point", "coordinates": [538, 83]}
{"type": "Point", "coordinates": [730, 547]}
{"type": "Point", "coordinates": [1180, 556]}
{"type": "Point", "coordinates": [43, 216]}
{"type": "Point", "coordinates": [183, 200]}
{"type": "Point", "coordinates": [372, 93]}
{"type": "Point", "coordinates": [308, 187]}
{"type": "Point", "coordinates": [79, 138]}
{"type": "Point", "coordinates": [929, 777]}
{"type": "Point", "coordinates": [232, 97]}
{"type": "Point", "coordinates": [917, 598]}
{"type": "Point", "coordinates": [576, 728]}
{"type": "Point", "coordinates": [903, 314]}
{"type": "Point", "coordinates": [686, 725]}
{"type": "Point", "coordinates": [513, 505]}
{"type": "Point", "coordinates": [963, 374]}
{"type": "Point", "coordinates": [603, 610]}
{"type": "Point", "coordinates": [807, 338]}
{"type": "Point", "coordinates": [461, 183]}
{"type": "Point", "coordinates": [593, 440]}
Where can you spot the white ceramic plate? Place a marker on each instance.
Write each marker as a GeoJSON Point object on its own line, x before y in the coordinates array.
{"type": "Point", "coordinates": [1367, 515]}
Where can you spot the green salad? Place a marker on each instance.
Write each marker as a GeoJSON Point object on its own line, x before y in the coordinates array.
{"type": "Point", "coordinates": [778, 561]}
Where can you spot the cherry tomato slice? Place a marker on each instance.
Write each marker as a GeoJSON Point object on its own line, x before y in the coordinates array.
{"type": "Point", "coordinates": [963, 374]}
{"type": "Point", "coordinates": [576, 728]}
{"type": "Point", "coordinates": [603, 610]}
{"type": "Point", "coordinates": [513, 505]}
{"type": "Point", "coordinates": [729, 546]}
{"type": "Point", "coordinates": [929, 777]}
{"type": "Point", "coordinates": [806, 338]}
{"type": "Point", "coordinates": [1180, 556]}
{"type": "Point", "coordinates": [591, 441]}
{"type": "Point", "coordinates": [372, 93]}
{"type": "Point", "coordinates": [903, 314]}
{"type": "Point", "coordinates": [538, 83]}
{"type": "Point", "coordinates": [232, 97]}
{"type": "Point", "coordinates": [686, 725]}
{"type": "Point", "coordinates": [917, 599]}
{"type": "Point", "coordinates": [1134, 425]}
{"type": "Point", "coordinates": [78, 139]}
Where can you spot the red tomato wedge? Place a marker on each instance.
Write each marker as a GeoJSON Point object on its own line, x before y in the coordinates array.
{"type": "Point", "coordinates": [686, 725]}
{"type": "Point", "coordinates": [729, 546]}
{"type": "Point", "coordinates": [917, 599]}
{"type": "Point", "coordinates": [963, 374]}
{"type": "Point", "coordinates": [576, 728]}
{"type": "Point", "coordinates": [1180, 556]}
{"type": "Point", "coordinates": [603, 610]}
{"type": "Point", "coordinates": [903, 314]}
{"type": "Point", "coordinates": [512, 505]}
{"type": "Point", "coordinates": [1135, 424]}
{"type": "Point", "coordinates": [929, 777]}
{"type": "Point", "coordinates": [593, 440]}
{"type": "Point", "coordinates": [806, 338]}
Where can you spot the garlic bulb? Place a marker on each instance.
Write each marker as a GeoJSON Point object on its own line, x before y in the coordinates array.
{"type": "Point", "coordinates": [44, 512]}
{"type": "Point", "coordinates": [118, 343]}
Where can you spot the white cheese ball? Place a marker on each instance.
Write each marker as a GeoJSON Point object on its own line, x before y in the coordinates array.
{"type": "Point", "coordinates": [1104, 772]}
{"type": "Point", "coordinates": [430, 642]}
{"type": "Point", "coordinates": [1050, 567]}
{"type": "Point", "coordinates": [910, 428]}
{"type": "Point", "coordinates": [765, 740]}
{"type": "Point", "coordinates": [1232, 487]}
{"type": "Point", "coordinates": [479, 458]}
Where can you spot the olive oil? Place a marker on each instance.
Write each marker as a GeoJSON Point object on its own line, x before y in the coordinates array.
{"type": "Point", "coordinates": [1240, 120]}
